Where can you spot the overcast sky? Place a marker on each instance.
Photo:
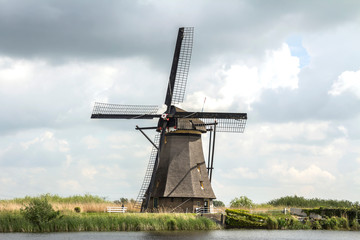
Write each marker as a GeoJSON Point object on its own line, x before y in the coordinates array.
{"type": "Point", "coordinates": [293, 66]}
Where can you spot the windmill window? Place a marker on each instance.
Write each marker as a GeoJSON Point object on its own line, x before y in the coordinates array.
{"type": "Point", "coordinates": [198, 167]}
{"type": "Point", "coordinates": [202, 185]}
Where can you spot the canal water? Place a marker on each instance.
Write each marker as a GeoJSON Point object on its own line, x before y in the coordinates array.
{"type": "Point", "coordinates": [194, 235]}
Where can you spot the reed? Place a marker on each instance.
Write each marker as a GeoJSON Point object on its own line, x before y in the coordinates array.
{"type": "Point", "coordinates": [69, 222]}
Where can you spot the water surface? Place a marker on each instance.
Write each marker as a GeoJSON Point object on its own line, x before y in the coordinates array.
{"type": "Point", "coordinates": [202, 235]}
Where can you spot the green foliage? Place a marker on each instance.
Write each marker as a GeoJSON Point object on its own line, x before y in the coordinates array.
{"type": "Point", "coordinates": [355, 225]}
{"type": "Point", "coordinates": [243, 219]}
{"type": "Point", "coordinates": [348, 213]}
{"type": "Point", "coordinates": [77, 209]}
{"type": "Point", "coordinates": [122, 201]}
{"type": "Point", "coordinates": [218, 203]}
{"type": "Point", "coordinates": [241, 202]}
{"type": "Point", "coordinates": [295, 201]}
{"type": "Point", "coordinates": [39, 211]}
{"type": "Point", "coordinates": [272, 223]}
{"type": "Point", "coordinates": [344, 223]}
{"type": "Point", "coordinates": [295, 224]}
{"type": "Point", "coordinates": [282, 223]}
{"type": "Point", "coordinates": [334, 223]}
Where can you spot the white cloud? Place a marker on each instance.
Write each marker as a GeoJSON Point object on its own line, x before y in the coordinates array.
{"type": "Point", "coordinates": [311, 175]}
{"type": "Point", "coordinates": [243, 83]}
{"type": "Point", "coordinates": [347, 81]}
{"type": "Point", "coordinates": [70, 186]}
{"type": "Point", "coordinates": [240, 172]}
{"type": "Point", "coordinates": [48, 142]}
{"type": "Point", "coordinates": [280, 70]}
{"type": "Point", "coordinates": [91, 142]}
{"type": "Point", "coordinates": [89, 172]}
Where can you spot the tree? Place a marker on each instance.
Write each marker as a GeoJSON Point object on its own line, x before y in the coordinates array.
{"type": "Point", "coordinates": [218, 203]}
{"type": "Point", "coordinates": [241, 202]}
{"type": "Point", "coordinates": [39, 211]}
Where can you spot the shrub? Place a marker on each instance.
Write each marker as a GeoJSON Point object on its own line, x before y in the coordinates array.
{"type": "Point", "coordinates": [355, 225]}
{"type": "Point", "coordinates": [272, 223]}
{"type": "Point", "coordinates": [242, 201]}
{"type": "Point", "coordinates": [77, 209]}
{"type": "Point", "coordinates": [243, 219]}
{"type": "Point", "coordinates": [325, 224]}
{"type": "Point", "coordinates": [295, 224]}
{"type": "Point", "coordinates": [295, 201]}
{"type": "Point", "coordinates": [344, 223]}
{"type": "Point", "coordinates": [39, 211]}
{"type": "Point", "coordinates": [316, 225]}
{"type": "Point", "coordinates": [281, 223]}
{"type": "Point", "coordinates": [307, 224]}
{"type": "Point", "coordinates": [218, 203]}
{"type": "Point", "coordinates": [334, 224]}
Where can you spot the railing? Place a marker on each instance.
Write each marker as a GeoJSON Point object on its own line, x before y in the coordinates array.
{"type": "Point", "coordinates": [116, 209]}
{"type": "Point", "coordinates": [200, 210]}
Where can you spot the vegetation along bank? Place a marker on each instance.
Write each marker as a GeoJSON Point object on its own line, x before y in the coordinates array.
{"type": "Point", "coordinates": [50, 213]}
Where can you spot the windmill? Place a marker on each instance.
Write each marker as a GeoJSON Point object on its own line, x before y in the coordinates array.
{"type": "Point", "coordinates": [176, 177]}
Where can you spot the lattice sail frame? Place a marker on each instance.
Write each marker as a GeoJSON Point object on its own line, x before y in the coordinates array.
{"type": "Point", "coordinates": [183, 66]}
{"type": "Point", "coordinates": [148, 173]}
{"type": "Point", "coordinates": [119, 109]}
{"type": "Point", "coordinates": [222, 125]}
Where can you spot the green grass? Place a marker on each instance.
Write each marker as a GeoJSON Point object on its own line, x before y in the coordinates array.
{"type": "Point", "coordinates": [14, 222]}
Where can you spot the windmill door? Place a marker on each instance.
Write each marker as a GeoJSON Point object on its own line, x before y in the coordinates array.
{"type": "Point", "coordinates": [156, 202]}
{"type": "Point", "coordinates": [206, 206]}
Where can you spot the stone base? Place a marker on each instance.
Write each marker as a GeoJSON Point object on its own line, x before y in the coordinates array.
{"type": "Point", "coordinates": [180, 205]}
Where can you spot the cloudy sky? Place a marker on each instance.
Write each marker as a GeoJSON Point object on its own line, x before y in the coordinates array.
{"type": "Point", "coordinates": [293, 66]}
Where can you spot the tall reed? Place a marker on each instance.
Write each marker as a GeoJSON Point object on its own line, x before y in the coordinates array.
{"type": "Point", "coordinates": [14, 222]}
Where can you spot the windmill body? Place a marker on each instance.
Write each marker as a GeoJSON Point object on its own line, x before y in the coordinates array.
{"type": "Point", "coordinates": [181, 180]}
{"type": "Point", "coordinates": [177, 178]}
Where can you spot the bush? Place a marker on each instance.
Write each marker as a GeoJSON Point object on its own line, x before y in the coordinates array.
{"type": "Point", "coordinates": [344, 223]}
{"type": "Point", "coordinates": [282, 223]}
{"type": "Point", "coordinates": [243, 219]}
{"type": "Point", "coordinates": [39, 211]}
{"type": "Point", "coordinates": [325, 224]}
{"type": "Point", "coordinates": [240, 202]}
{"type": "Point", "coordinates": [295, 224]}
{"type": "Point", "coordinates": [334, 224]}
{"type": "Point", "coordinates": [218, 203]}
{"type": "Point", "coordinates": [272, 223]}
{"type": "Point", "coordinates": [316, 225]}
{"type": "Point", "coordinates": [355, 225]}
{"type": "Point", "coordinates": [295, 201]}
{"type": "Point", "coordinates": [77, 209]}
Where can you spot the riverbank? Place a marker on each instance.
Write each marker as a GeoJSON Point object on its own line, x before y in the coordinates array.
{"type": "Point", "coordinates": [346, 220]}
{"type": "Point", "coordinates": [76, 222]}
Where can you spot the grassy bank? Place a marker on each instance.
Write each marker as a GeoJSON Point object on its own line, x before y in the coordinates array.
{"type": "Point", "coordinates": [236, 218]}
{"type": "Point", "coordinates": [15, 222]}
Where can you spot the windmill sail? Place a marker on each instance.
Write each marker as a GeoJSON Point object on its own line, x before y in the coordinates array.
{"type": "Point", "coordinates": [226, 122]}
{"type": "Point", "coordinates": [183, 66]}
{"type": "Point", "coordinates": [149, 170]}
{"type": "Point", "coordinates": [118, 111]}
{"type": "Point", "coordinates": [180, 66]}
